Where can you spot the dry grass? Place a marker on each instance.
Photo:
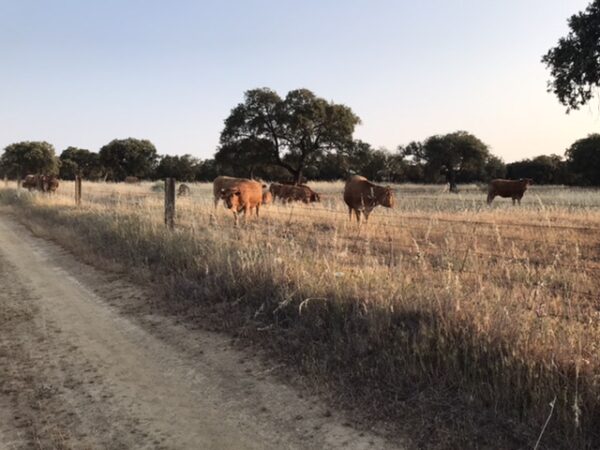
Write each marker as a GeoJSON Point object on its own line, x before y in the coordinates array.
{"type": "Point", "coordinates": [467, 317]}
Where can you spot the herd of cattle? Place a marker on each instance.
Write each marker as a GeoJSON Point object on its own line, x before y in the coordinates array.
{"type": "Point", "coordinates": [242, 195]}
{"type": "Point", "coordinates": [360, 195]}
{"type": "Point", "coordinates": [44, 183]}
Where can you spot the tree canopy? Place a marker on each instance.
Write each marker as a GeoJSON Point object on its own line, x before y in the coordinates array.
{"type": "Point", "coordinates": [575, 61]}
{"type": "Point", "coordinates": [79, 161]}
{"type": "Point", "coordinates": [182, 168]}
{"type": "Point", "coordinates": [291, 133]}
{"type": "Point", "coordinates": [457, 157]}
{"type": "Point", "coordinates": [583, 159]}
{"type": "Point", "coordinates": [129, 157]}
{"type": "Point", "coordinates": [29, 157]}
{"type": "Point", "coordinates": [544, 169]}
{"type": "Point", "coordinates": [245, 156]}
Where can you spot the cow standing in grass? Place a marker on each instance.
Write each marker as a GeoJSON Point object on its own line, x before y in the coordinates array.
{"type": "Point", "coordinates": [267, 198]}
{"type": "Point", "coordinates": [508, 189]}
{"type": "Point", "coordinates": [276, 189]}
{"type": "Point", "coordinates": [43, 183]}
{"type": "Point", "coordinates": [243, 196]}
{"type": "Point", "coordinates": [183, 191]}
{"type": "Point", "coordinates": [49, 184]}
{"type": "Point", "coordinates": [30, 182]}
{"type": "Point", "coordinates": [363, 196]}
{"type": "Point", "coordinates": [294, 193]}
{"type": "Point", "coordinates": [223, 182]}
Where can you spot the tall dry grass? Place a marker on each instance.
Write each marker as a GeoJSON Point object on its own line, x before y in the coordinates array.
{"type": "Point", "coordinates": [439, 308]}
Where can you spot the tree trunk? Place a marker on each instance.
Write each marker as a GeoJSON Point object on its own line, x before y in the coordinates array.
{"type": "Point", "coordinates": [298, 176]}
{"type": "Point", "coordinates": [451, 179]}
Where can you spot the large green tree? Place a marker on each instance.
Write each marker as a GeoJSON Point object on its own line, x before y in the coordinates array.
{"type": "Point", "coordinates": [207, 170]}
{"type": "Point", "coordinates": [575, 61]}
{"type": "Point", "coordinates": [182, 168]}
{"type": "Point", "coordinates": [543, 169]}
{"type": "Point", "coordinates": [299, 128]}
{"type": "Point", "coordinates": [583, 159]}
{"type": "Point", "coordinates": [246, 156]}
{"type": "Point", "coordinates": [457, 157]}
{"type": "Point", "coordinates": [79, 161]}
{"type": "Point", "coordinates": [129, 157]}
{"type": "Point", "coordinates": [29, 157]}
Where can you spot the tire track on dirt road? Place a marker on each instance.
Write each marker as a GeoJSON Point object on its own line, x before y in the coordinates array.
{"type": "Point", "coordinates": [83, 375]}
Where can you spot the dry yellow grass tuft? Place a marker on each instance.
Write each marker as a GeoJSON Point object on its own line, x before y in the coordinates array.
{"type": "Point", "coordinates": [492, 310]}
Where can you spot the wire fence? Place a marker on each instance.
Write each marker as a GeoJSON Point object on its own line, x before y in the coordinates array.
{"type": "Point", "coordinates": [476, 227]}
{"type": "Point", "coordinates": [397, 221]}
{"type": "Point", "coordinates": [418, 247]}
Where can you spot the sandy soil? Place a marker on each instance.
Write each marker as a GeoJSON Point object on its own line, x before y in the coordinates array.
{"type": "Point", "coordinates": [76, 372]}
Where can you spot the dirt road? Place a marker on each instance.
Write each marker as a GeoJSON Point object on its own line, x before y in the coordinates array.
{"type": "Point", "coordinates": [75, 372]}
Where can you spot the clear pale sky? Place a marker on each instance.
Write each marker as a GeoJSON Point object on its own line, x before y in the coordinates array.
{"type": "Point", "coordinates": [81, 73]}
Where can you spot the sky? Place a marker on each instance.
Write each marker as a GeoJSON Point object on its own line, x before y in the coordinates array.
{"type": "Point", "coordinates": [82, 72]}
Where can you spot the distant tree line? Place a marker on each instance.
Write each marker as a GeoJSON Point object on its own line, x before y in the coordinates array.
{"type": "Point", "coordinates": [453, 158]}
{"type": "Point", "coordinates": [304, 136]}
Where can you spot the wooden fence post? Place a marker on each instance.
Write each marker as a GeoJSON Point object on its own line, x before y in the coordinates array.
{"type": "Point", "coordinates": [78, 190]}
{"type": "Point", "coordinates": [170, 203]}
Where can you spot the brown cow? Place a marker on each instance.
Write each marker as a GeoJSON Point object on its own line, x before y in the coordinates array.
{"type": "Point", "coordinates": [30, 182]}
{"type": "Point", "coordinates": [508, 188]}
{"type": "Point", "coordinates": [223, 182]}
{"type": "Point", "coordinates": [309, 194]}
{"type": "Point", "coordinates": [289, 193]}
{"type": "Point", "coordinates": [49, 184]}
{"type": "Point", "coordinates": [44, 183]}
{"type": "Point", "coordinates": [362, 196]}
{"type": "Point", "coordinates": [183, 190]}
{"type": "Point", "coordinates": [276, 190]}
{"type": "Point", "coordinates": [267, 198]}
{"type": "Point", "coordinates": [243, 196]}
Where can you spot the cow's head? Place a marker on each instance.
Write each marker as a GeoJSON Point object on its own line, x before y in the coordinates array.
{"type": "Point", "coordinates": [267, 198]}
{"type": "Point", "coordinates": [385, 197]}
{"type": "Point", "coordinates": [231, 198]}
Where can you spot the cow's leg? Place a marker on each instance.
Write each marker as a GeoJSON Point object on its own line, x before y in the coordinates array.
{"type": "Point", "coordinates": [235, 218]}
{"type": "Point", "coordinates": [490, 198]}
{"type": "Point", "coordinates": [366, 213]}
{"type": "Point", "coordinates": [357, 212]}
{"type": "Point", "coordinates": [514, 199]}
{"type": "Point", "coordinates": [350, 212]}
{"type": "Point", "coordinates": [257, 207]}
{"type": "Point", "coordinates": [216, 202]}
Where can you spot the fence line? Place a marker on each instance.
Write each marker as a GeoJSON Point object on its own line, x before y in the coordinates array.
{"type": "Point", "coordinates": [307, 211]}
{"type": "Point", "coordinates": [397, 220]}
{"type": "Point", "coordinates": [409, 249]}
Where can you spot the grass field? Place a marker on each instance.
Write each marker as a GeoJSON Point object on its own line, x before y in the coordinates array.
{"type": "Point", "coordinates": [461, 321]}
